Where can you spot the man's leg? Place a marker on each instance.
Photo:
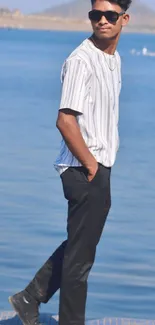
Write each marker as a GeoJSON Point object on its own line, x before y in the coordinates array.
{"type": "Point", "coordinates": [48, 279]}
{"type": "Point", "coordinates": [88, 207]}
{"type": "Point", "coordinates": [45, 283]}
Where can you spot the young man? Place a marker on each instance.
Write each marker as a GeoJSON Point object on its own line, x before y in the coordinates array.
{"type": "Point", "coordinates": [88, 122]}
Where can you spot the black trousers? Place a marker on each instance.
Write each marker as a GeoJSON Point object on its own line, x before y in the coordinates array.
{"type": "Point", "coordinates": [69, 266]}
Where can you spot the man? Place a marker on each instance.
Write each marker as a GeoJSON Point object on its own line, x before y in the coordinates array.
{"type": "Point", "coordinates": [88, 122]}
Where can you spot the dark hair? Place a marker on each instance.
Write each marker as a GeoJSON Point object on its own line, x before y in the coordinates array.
{"type": "Point", "coordinates": [124, 4]}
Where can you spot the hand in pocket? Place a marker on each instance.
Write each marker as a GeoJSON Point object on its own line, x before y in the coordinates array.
{"type": "Point", "coordinates": [92, 172]}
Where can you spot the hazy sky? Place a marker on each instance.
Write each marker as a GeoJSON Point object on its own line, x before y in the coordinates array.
{"type": "Point", "coordinates": [30, 5]}
{"type": "Point", "coordinates": [37, 5]}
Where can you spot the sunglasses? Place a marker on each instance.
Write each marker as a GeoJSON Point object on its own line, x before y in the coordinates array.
{"type": "Point", "coordinates": [111, 16]}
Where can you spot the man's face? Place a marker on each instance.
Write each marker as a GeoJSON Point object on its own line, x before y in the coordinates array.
{"type": "Point", "coordinates": [104, 29]}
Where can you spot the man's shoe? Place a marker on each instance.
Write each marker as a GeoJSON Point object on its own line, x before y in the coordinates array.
{"type": "Point", "coordinates": [26, 307]}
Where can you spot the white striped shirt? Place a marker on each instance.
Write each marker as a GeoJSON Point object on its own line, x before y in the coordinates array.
{"type": "Point", "coordinates": [91, 88]}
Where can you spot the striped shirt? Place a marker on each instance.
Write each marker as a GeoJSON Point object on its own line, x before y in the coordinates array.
{"type": "Point", "coordinates": [91, 87]}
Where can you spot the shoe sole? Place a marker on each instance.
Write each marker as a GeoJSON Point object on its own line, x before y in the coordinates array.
{"type": "Point", "coordinates": [16, 310]}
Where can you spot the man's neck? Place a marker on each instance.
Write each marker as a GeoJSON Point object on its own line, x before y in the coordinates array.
{"type": "Point", "coordinates": [107, 46]}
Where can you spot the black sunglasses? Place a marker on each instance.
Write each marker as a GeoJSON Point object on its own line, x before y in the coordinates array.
{"type": "Point", "coordinates": [111, 16]}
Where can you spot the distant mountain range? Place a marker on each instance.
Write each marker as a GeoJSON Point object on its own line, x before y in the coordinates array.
{"type": "Point", "coordinates": [7, 12]}
{"type": "Point", "coordinates": [73, 15]}
{"type": "Point", "coordinates": [141, 14]}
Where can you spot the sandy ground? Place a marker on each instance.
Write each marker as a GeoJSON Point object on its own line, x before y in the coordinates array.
{"type": "Point", "coordinates": [50, 23]}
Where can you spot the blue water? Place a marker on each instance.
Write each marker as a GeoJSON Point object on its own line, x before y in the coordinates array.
{"type": "Point", "coordinates": [32, 207]}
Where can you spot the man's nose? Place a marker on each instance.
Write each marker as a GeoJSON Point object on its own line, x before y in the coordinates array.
{"type": "Point", "coordinates": [103, 20]}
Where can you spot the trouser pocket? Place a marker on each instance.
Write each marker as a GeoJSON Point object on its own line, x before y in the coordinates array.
{"type": "Point", "coordinates": [85, 172]}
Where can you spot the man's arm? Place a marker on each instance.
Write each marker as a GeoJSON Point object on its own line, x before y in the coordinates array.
{"type": "Point", "coordinates": [68, 127]}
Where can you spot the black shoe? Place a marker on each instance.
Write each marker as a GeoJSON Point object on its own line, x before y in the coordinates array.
{"type": "Point", "coordinates": [26, 307]}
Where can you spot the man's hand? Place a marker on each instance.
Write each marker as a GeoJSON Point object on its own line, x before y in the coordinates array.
{"type": "Point", "coordinates": [92, 171]}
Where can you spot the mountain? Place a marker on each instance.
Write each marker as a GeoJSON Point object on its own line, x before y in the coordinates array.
{"type": "Point", "coordinates": [10, 13]}
{"type": "Point", "coordinates": [4, 11]}
{"type": "Point", "coordinates": [76, 9]}
{"type": "Point", "coordinates": [141, 14]}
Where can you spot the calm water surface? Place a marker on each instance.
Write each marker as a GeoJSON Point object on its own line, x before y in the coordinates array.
{"type": "Point", "coordinates": [32, 207]}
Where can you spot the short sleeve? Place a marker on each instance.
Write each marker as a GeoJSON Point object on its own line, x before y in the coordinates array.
{"type": "Point", "coordinates": [74, 74]}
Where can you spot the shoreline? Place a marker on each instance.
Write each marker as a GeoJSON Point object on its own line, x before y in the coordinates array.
{"type": "Point", "coordinates": [48, 23]}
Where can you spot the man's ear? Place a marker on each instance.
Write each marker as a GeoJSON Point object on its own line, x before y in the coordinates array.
{"type": "Point", "coordinates": [125, 20]}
